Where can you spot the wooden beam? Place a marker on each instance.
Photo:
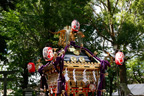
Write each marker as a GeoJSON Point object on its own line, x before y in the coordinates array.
{"type": "Point", "coordinates": [5, 79]}
{"type": "Point", "coordinates": [8, 79]}
{"type": "Point", "coordinates": [7, 72]}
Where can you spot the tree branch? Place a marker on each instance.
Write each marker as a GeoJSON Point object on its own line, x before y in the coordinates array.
{"type": "Point", "coordinates": [119, 27]}
{"type": "Point", "coordinates": [115, 6]}
{"type": "Point", "coordinates": [102, 34]}
{"type": "Point", "coordinates": [110, 33]}
{"type": "Point", "coordinates": [110, 21]}
{"type": "Point", "coordinates": [104, 4]}
{"type": "Point", "coordinates": [122, 20]}
{"type": "Point", "coordinates": [109, 6]}
{"type": "Point", "coordinates": [129, 5]}
{"type": "Point", "coordinates": [100, 17]}
{"type": "Point", "coordinates": [135, 55]}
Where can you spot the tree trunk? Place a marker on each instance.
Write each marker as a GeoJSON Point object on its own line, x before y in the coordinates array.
{"type": "Point", "coordinates": [123, 81]}
{"type": "Point", "coordinates": [122, 72]}
{"type": "Point", "coordinates": [111, 89]}
{"type": "Point", "coordinates": [25, 79]}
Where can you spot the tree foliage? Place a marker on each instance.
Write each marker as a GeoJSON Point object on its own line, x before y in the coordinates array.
{"type": "Point", "coordinates": [29, 27]}
{"type": "Point", "coordinates": [135, 70]}
{"type": "Point", "coordinates": [120, 24]}
{"type": "Point", "coordinates": [8, 4]}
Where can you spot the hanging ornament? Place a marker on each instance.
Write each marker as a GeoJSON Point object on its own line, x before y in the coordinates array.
{"type": "Point", "coordinates": [92, 87]}
{"type": "Point", "coordinates": [119, 58]}
{"type": "Point", "coordinates": [82, 59]}
{"type": "Point", "coordinates": [48, 53]}
{"type": "Point", "coordinates": [76, 52]}
{"type": "Point", "coordinates": [73, 59]}
{"type": "Point", "coordinates": [71, 49]}
{"type": "Point", "coordinates": [31, 67]}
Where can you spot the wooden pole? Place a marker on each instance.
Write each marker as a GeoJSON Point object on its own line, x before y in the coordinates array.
{"type": "Point", "coordinates": [5, 84]}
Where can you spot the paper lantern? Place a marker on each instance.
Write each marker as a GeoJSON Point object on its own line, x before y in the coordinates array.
{"type": "Point", "coordinates": [48, 53]}
{"type": "Point", "coordinates": [119, 58]}
{"type": "Point", "coordinates": [75, 25]}
{"type": "Point", "coordinates": [31, 67]}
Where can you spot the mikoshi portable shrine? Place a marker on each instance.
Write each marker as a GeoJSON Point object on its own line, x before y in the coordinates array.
{"type": "Point", "coordinates": [73, 70]}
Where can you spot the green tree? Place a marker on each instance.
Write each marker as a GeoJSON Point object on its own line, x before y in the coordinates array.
{"type": "Point", "coordinates": [2, 48]}
{"type": "Point", "coordinates": [120, 24]}
{"type": "Point", "coordinates": [29, 27]}
{"type": "Point", "coordinates": [8, 4]}
{"type": "Point", "coordinates": [135, 71]}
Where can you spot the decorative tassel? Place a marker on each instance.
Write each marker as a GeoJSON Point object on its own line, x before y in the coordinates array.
{"type": "Point", "coordinates": [94, 76]}
{"type": "Point", "coordinates": [51, 91]}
